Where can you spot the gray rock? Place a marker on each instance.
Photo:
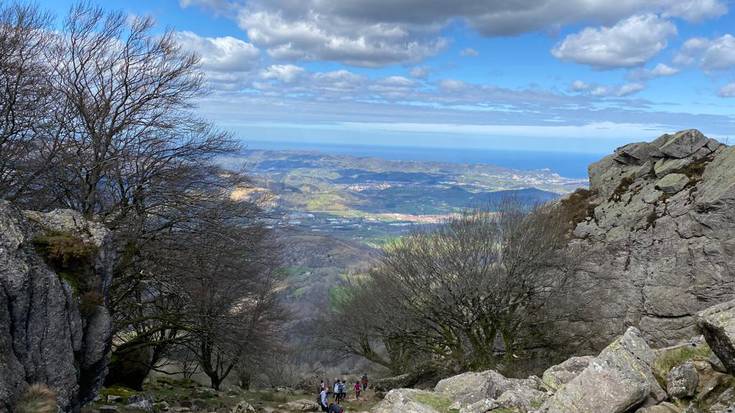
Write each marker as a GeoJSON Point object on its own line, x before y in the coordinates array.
{"type": "Point", "coordinates": [410, 401]}
{"type": "Point", "coordinates": [682, 381]}
{"type": "Point", "coordinates": [39, 311]}
{"type": "Point", "coordinates": [617, 380]}
{"type": "Point", "coordinates": [481, 406]}
{"type": "Point", "coordinates": [243, 407]}
{"type": "Point", "coordinates": [672, 183]}
{"type": "Point", "coordinates": [301, 406]}
{"type": "Point", "coordinates": [664, 407]}
{"type": "Point", "coordinates": [469, 388]}
{"type": "Point", "coordinates": [651, 260]}
{"type": "Point", "coordinates": [664, 167]}
{"type": "Point", "coordinates": [556, 376]}
{"type": "Point", "coordinates": [684, 143]}
{"type": "Point", "coordinates": [718, 327]}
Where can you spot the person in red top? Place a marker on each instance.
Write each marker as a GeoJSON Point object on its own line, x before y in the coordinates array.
{"type": "Point", "coordinates": [358, 389]}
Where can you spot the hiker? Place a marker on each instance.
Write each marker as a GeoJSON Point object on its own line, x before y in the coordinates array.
{"type": "Point", "coordinates": [342, 390]}
{"type": "Point", "coordinates": [364, 382]}
{"type": "Point", "coordinates": [336, 390]}
{"type": "Point", "coordinates": [335, 408]}
{"type": "Point", "coordinates": [322, 386]}
{"type": "Point", "coordinates": [324, 400]}
{"type": "Point", "coordinates": [358, 388]}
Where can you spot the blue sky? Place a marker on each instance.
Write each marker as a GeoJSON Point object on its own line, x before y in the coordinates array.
{"type": "Point", "coordinates": [561, 75]}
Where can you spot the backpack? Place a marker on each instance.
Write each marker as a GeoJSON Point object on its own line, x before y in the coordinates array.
{"type": "Point", "coordinates": [341, 387]}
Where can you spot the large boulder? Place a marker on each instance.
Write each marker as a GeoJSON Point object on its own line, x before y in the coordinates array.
{"type": "Point", "coordinates": [617, 380]}
{"type": "Point", "coordinates": [468, 388]}
{"type": "Point", "coordinates": [55, 272]}
{"type": "Point", "coordinates": [412, 401]}
{"type": "Point", "coordinates": [718, 327]}
{"type": "Point", "coordinates": [556, 376]}
{"type": "Point", "coordinates": [658, 246]}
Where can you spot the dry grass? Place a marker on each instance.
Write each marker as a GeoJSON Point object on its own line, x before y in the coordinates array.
{"type": "Point", "coordinates": [37, 398]}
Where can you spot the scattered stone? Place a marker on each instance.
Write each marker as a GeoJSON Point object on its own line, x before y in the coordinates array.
{"type": "Point", "coordinates": [672, 183]}
{"type": "Point", "coordinates": [682, 381]}
{"type": "Point", "coordinates": [664, 407]}
{"type": "Point", "coordinates": [108, 409]}
{"type": "Point", "coordinates": [113, 398]}
{"type": "Point", "coordinates": [162, 406]}
{"type": "Point", "coordinates": [718, 327]}
{"type": "Point", "coordinates": [243, 407]}
{"type": "Point", "coordinates": [301, 406]}
{"type": "Point", "coordinates": [556, 376]}
{"type": "Point", "coordinates": [617, 380]}
{"type": "Point", "coordinates": [482, 406]}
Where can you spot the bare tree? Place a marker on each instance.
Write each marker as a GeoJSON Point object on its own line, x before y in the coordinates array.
{"type": "Point", "coordinates": [28, 140]}
{"type": "Point", "coordinates": [462, 294]}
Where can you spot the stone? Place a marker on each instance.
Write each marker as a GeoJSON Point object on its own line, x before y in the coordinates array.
{"type": "Point", "coordinates": [651, 259]}
{"type": "Point", "coordinates": [556, 376]}
{"type": "Point", "coordinates": [411, 401]}
{"type": "Point", "coordinates": [390, 383]}
{"type": "Point", "coordinates": [482, 406]}
{"type": "Point", "coordinates": [301, 406]}
{"type": "Point", "coordinates": [472, 387]}
{"type": "Point", "coordinates": [664, 167]}
{"type": "Point", "coordinates": [672, 183]}
{"type": "Point", "coordinates": [682, 381]}
{"type": "Point", "coordinates": [130, 366]}
{"type": "Point", "coordinates": [35, 301]}
{"type": "Point", "coordinates": [523, 399]}
{"type": "Point", "coordinates": [684, 143]}
{"type": "Point", "coordinates": [617, 380]}
{"type": "Point", "coordinates": [108, 409]}
{"type": "Point", "coordinates": [243, 407]}
{"type": "Point", "coordinates": [718, 327]}
{"type": "Point", "coordinates": [664, 407]}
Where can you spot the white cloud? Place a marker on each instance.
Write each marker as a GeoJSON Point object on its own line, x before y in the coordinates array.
{"type": "Point", "coordinates": [660, 70]}
{"type": "Point", "coordinates": [221, 54]}
{"type": "Point", "coordinates": [419, 72]}
{"type": "Point", "coordinates": [283, 73]}
{"type": "Point", "coordinates": [727, 91]}
{"type": "Point", "coordinates": [709, 54]}
{"type": "Point", "coordinates": [630, 42]}
{"type": "Point", "coordinates": [319, 37]}
{"type": "Point", "coordinates": [597, 90]}
{"type": "Point", "coordinates": [382, 32]}
{"type": "Point", "coordinates": [469, 52]}
{"type": "Point", "coordinates": [580, 86]}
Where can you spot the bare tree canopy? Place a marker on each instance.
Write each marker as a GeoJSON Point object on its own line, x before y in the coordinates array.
{"type": "Point", "coordinates": [460, 295]}
{"type": "Point", "coordinates": [99, 116]}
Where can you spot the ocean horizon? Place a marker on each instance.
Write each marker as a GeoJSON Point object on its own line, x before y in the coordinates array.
{"type": "Point", "coordinates": [566, 164]}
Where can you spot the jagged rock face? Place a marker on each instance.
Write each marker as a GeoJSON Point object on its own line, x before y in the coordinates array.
{"type": "Point", "coordinates": [659, 244]}
{"type": "Point", "coordinates": [44, 336]}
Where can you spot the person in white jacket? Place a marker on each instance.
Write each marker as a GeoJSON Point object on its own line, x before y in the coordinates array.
{"type": "Point", "coordinates": [324, 400]}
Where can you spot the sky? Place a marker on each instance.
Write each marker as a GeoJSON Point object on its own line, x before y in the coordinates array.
{"type": "Point", "coordinates": [542, 75]}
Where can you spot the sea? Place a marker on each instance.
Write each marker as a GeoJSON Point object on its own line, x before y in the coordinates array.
{"type": "Point", "coordinates": [566, 164]}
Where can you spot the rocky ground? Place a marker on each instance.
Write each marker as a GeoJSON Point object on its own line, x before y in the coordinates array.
{"type": "Point", "coordinates": [181, 396]}
{"type": "Point", "coordinates": [628, 376]}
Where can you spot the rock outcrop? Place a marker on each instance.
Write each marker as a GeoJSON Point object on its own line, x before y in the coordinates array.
{"type": "Point", "coordinates": [628, 376]}
{"type": "Point", "coordinates": [657, 226]}
{"type": "Point", "coordinates": [55, 272]}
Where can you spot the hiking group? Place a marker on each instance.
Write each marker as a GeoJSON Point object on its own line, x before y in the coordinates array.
{"type": "Point", "coordinates": [338, 393]}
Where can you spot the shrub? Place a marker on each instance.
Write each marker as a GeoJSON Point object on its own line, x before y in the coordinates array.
{"type": "Point", "coordinates": [621, 189]}
{"type": "Point", "coordinates": [69, 256]}
{"type": "Point", "coordinates": [576, 207]}
{"type": "Point", "coordinates": [37, 398]}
